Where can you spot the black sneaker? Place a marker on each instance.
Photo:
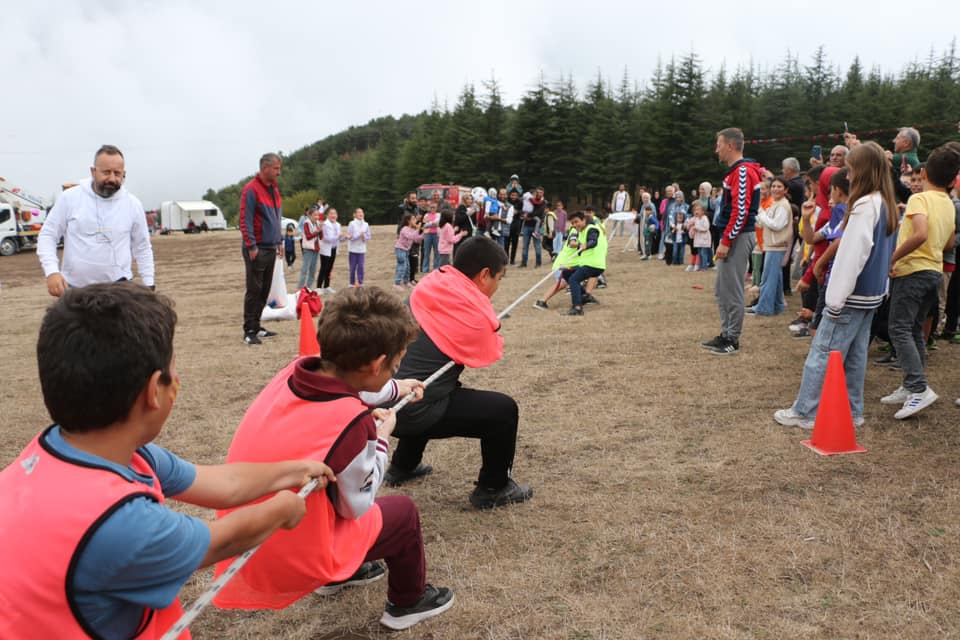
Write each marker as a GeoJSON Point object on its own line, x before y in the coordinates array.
{"type": "Point", "coordinates": [510, 493]}
{"type": "Point", "coordinates": [726, 348]}
{"type": "Point", "coordinates": [251, 338]}
{"type": "Point", "coordinates": [395, 476]}
{"type": "Point", "coordinates": [265, 333]}
{"type": "Point", "coordinates": [889, 358]}
{"type": "Point", "coordinates": [432, 603]}
{"type": "Point", "coordinates": [802, 332]}
{"type": "Point", "coordinates": [589, 299]}
{"type": "Point", "coordinates": [712, 343]}
{"type": "Point", "coordinates": [574, 311]}
{"type": "Point", "coordinates": [367, 573]}
{"type": "Point", "coordinates": [540, 304]}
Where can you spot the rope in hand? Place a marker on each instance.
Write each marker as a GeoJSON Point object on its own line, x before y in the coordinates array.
{"type": "Point", "coordinates": [190, 613]}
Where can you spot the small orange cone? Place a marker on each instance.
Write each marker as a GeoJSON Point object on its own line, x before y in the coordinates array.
{"type": "Point", "coordinates": [308, 333]}
{"type": "Point", "coordinates": [833, 431]}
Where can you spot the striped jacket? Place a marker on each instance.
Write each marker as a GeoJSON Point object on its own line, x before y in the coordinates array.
{"type": "Point", "coordinates": [741, 199]}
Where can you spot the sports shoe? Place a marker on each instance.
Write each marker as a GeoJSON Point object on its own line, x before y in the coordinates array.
{"type": "Point", "coordinates": [712, 343]}
{"type": "Point", "coordinates": [266, 333]}
{"type": "Point", "coordinates": [797, 324]}
{"type": "Point", "coordinates": [395, 476]}
{"type": "Point", "coordinates": [916, 402]}
{"type": "Point", "coordinates": [540, 304]}
{"type": "Point", "coordinates": [897, 397]}
{"type": "Point", "coordinates": [790, 418]}
{"type": "Point", "coordinates": [432, 603]}
{"type": "Point", "coordinates": [858, 421]}
{"type": "Point", "coordinates": [889, 358]}
{"type": "Point", "coordinates": [589, 299]}
{"type": "Point", "coordinates": [750, 311]}
{"type": "Point", "coordinates": [367, 573]}
{"type": "Point", "coordinates": [329, 290]}
{"type": "Point", "coordinates": [803, 332]}
{"type": "Point", "coordinates": [510, 493]}
{"type": "Point", "coordinates": [251, 338]}
{"type": "Point", "coordinates": [726, 348]}
{"type": "Point", "coordinates": [690, 268]}
{"type": "Point", "coordinates": [574, 311]}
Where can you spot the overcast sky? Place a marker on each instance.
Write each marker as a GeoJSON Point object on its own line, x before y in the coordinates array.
{"type": "Point", "coordinates": [194, 91]}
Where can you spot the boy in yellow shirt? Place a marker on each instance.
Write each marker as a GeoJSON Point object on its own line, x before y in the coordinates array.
{"type": "Point", "coordinates": [916, 270]}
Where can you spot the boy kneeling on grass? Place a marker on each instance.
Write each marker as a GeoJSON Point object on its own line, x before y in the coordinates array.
{"type": "Point", "coordinates": [87, 547]}
{"type": "Point", "coordinates": [312, 409]}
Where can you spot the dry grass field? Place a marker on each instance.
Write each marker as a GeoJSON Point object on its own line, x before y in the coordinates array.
{"type": "Point", "coordinates": [668, 504]}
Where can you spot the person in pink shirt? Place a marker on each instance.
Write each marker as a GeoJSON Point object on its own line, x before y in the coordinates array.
{"type": "Point", "coordinates": [447, 238]}
{"type": "Point", "coordinates": [410, 235]}
{"type": "Point", "coordinates": [431, 225]}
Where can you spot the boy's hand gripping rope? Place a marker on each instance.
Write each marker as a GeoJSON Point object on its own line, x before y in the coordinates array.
{"type": "Point", "coordinates": [190, 613]}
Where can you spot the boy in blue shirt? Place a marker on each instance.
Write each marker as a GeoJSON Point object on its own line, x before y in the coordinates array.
{"type": "Point", "coordinates": [87, 545]}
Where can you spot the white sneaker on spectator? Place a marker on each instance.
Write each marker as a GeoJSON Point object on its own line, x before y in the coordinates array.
{"type": "Point", "coordinates": [916, 402]}
{"type": "Point", "coordinates": [330, 290]}
{"type": "Point", "coordinates": [897, 397]}
{"type": "Point", "coordinates": [790, 418]}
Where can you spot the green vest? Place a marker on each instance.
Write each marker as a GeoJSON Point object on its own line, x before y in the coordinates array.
{"type": "Point", "coordinates": [567, 257]}
{"type": "Point", "coordinates": [596, 257]}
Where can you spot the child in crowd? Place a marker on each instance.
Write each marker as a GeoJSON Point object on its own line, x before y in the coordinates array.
{"type": "Point", "coordinates": [560, 230]}
{"type": "Point", "coordinates": [856, 288]}
{"type": "Point", "coordinates": [702, 240]}
{"type": "Point", "coordinates": [289, 245]}
{"type": "Point", "coordinates": [87, 546]}
{"type": "Point", "coordinates": [313, 410]}
{"type": "Point", "coordinates": [756, 256]}
{"type": "Point", "coordinates": [410, 236]}
{"type": "Point", "coordinates": [776, 221]}
{"type": "Point", "coordinates": [329, 242]}
{"type": "Point", "coordinates": [309, 246]}
{"type": "Point", "coordinates": [358, 235]}
{"type": "Point", "coordinates": [648, 221]}
{"type": "Point", "coordinates": [833, 230]}
{"type": "Point", "coordinates": [678, 235]}
{"type": "Point", "coordinates": [414, 256]}
{"type": "Point", "coordinates": [448, 237]}
{"type": "Point", "coordinates": [688, 238]}
{"type": "Point", "coordinates": [927, 230]}
{"type": "Point", "coordinates": [431, 224]}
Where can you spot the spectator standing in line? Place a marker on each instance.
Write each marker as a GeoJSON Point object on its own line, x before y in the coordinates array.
{"type": "Point", "coordinates": [309, 247]}
{"type": "Point", "coordinates": [261, 210]}
{"type": "Point", "coordinates": [620, 202]}
{"type": "Point", "coordinates": [515, 206]}
{"type": "Point", "coordinates": [358, 235]}
{"type": "Point", "coordinates": [741, 197]}
{"type": "Point", "coordinates": [329, 242]}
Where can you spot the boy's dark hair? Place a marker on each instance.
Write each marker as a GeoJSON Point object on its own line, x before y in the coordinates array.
{"type": "Point", "coordinates": [446, 218]}
{"type": "Point", "coordinates": [942, 165]}
{"type": "Point", "coordinates": [589, 209]}
{"type": "Point", "coordinates": [478, 252]}
{"type": "Point", "coordinates": [359, 325]}
{"type": "Point", "coordinates": [98, 347]}
{"type": "Point", "coordinates": [576, 214]}
{"type": "Point", "coordinates": [814, 174]}
{"type": "Point", "coordinates": [841, 180]}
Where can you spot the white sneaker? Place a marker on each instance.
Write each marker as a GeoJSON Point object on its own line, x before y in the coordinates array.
{"type": "Point", "coordinates": [790, 418]}
{"type": "Point", "coordinates": [858, 421]}
{"type": "Point", "coordinates": [897, 397]}
{"type": "Point", "coordinates": [330, 290]}
{"type": "Point", "coordinates": [916, 402]}
{"type": "Point", "coordinates": [690, 268]}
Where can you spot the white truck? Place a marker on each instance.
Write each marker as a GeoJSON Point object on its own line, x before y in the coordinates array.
{"type": "Point", "coordinates": [177, 215]}
{"type": "Point", "coordinates": [21, 216]}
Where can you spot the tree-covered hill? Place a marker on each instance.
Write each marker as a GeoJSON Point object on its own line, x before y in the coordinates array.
{"type": "Point", "coordinates": [579, 145]}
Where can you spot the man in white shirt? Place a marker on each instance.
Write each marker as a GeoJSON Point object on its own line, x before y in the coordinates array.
{"type": "Point", "coordinates": [101, 224]}
{"type": "Point", "coordinates": [619, 203]}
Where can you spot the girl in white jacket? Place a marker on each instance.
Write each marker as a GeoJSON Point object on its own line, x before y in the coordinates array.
{"type": "Point", "coordinates": [777, 236]}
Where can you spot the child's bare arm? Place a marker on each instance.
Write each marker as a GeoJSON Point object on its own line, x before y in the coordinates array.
{"type": "Point", "coordinates": [250, 526]}
{"type": "Point", "coordinates": [230, 485]}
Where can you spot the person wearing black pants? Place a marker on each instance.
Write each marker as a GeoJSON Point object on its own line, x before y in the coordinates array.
{"type": "Point", "coordinates": [260, 214]}
{"type": "Point", "coordinates": [326, 268]}
{"type": "Point", "coordinates": [457, 323]}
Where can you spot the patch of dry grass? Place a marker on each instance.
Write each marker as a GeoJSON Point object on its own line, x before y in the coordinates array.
{"type": "Point", "coordinates": [668, 504]}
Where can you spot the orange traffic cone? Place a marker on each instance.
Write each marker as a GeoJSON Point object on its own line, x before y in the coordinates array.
{"type": "Point", "coordinates": [833, 431]}
{"type": "Point", "coordinates": [308, 333]}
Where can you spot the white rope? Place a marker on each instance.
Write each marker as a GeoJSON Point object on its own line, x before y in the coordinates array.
{"type": "Point", "coordinates": [190, 614]}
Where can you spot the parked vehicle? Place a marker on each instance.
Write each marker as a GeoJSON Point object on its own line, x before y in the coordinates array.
{"type": "Point", "coordinates": [176, 215]}
{"type": "Point", "coordinates": [21, 217]}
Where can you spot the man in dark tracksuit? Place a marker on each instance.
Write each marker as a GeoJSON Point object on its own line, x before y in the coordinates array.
{"type": "Point", "coordinates": [260, 214]}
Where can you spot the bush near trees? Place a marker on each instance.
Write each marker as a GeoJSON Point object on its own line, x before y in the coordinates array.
{"type": "Point", "coordinates": [580, 146]}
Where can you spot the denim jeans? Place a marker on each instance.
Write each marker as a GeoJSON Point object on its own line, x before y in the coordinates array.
{"type": "Point", "coordinates": [403, 266]}
{"type": "Point", "coordinates": [527, 237]}
{"type": "Point", "coordinates": [575, 277]}
{"type": "Point", "coordinates": [911, 298]}
{"type": "Point", "coordinates": [706, 257]}
{"type": "Point", "coordinates": [850, 335]}
{"type": "Point", "coordinates": [558, 239]}
{"type": "Point", "coordinates": [678, 248]}
{"type": "Point", "coordinates": [771, 286]}
{"type": "Point", "coordinates": [308, 268]}
{"type": "Point", "coordinates": [430, 247]}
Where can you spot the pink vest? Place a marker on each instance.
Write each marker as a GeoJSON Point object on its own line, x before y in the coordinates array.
{"type": "Point", "coordinates": [49, 507]}
{"type": "Point", "coordinates": [323, 548]}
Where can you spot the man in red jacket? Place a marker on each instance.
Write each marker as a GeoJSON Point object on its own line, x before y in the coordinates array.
{"type": "Point", "coordinates": [261, 210]}
{"type": "Point", "coordinates": [741, 198]}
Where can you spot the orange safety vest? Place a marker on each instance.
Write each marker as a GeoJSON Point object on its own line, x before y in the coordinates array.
{"type": "Point", "coordinates": [50, 507]}
{"type": "Point", "coordinates": [323, 547]}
